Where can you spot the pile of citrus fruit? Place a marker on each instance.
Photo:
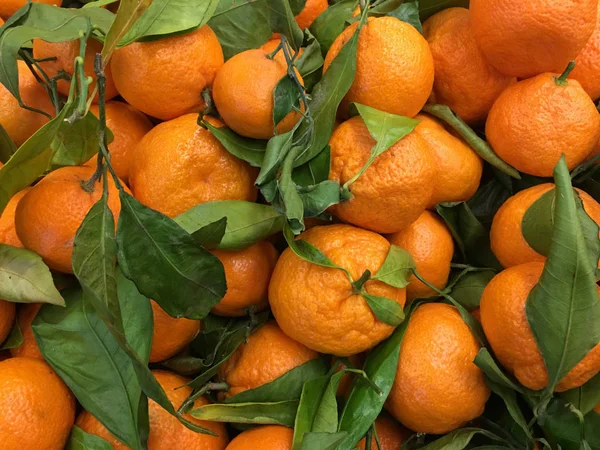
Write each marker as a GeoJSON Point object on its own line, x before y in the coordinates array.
{"type": "Point", "coordinates": [299, 224]}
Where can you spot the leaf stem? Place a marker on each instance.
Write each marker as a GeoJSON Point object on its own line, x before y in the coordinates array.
{"type": "Point", "coordinates": [208, 387]}
{"type": "Point", "coordinates": [562, 80]}
{"type": "Point", "coordinates": [358, 285]}
{"type": "Point", "coordinates": [83, 82]}
{"type": "Point", "coordinates": [274, 52]}
{"type": "Point", "coordinates": [42, 78]}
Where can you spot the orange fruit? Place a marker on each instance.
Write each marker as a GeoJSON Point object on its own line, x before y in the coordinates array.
{"type": "Point", "coordinates": [267, 354]}
{"type": "Point", "coordinates": [165, 78]}
{"type": "Point", "coordinates": [464, 80]}
{"type": "Point", "coordinates": [587, 65]}
{"type": "Point", "coordinates": [18, 122]}
{"type": "Point", "coordinates": [170, 335]}
{"type": "Point", "coordinates": [437, 341]}
{"type": "Point", "coordinates": [65, 54]}
{"type": "Point", "coordinates": [535, 121]}
{"type": "Point", "coordinates": [312, 9]}
{"type": "Point", "coordinates": [243, 94]}
{"type": "Point", "coordinates": [392, 57]}
{"type": "Point", "coordinates": [430, 243]}
{"type": "Point", "coordinates": [29, 347]}
{"type": "Point", "coordinates": [459, 168]}
{"type": "Point", "coordinates": [9, 7]}
{"type": "Point", "coordinates": [394, 190]}
{"type": "Point", "coordinates": [391, 435]}
{"type": "Point", "coordinates": [178, 165]}
{"type": "Point", "coordinates": [8, 234]}
{"type": "Point", "coordinates": [271, 437]}
{"type": "Point", "coordinates": [50, 213]}
{"type": "Point", "coordinates": [524, 39]}
{"type": "Point", "coordinates": [166, 432]}
{"type": "Point", "coordinates": [506, 327]}
{"type": "Point", "coordinates": [272, 44]}
{"type": "Point", "coordinates": [506, 236]}
{"type": "Point", "coordinates": [37, 408]}
{"type": "Point", "coordinates": [247, 273]}
{"type": "Point", "coordinates": [128, 126]}
{"type": "Point", "coordinates": [317, 306]}
{"type": "Point", "coordinates": [7, 318]}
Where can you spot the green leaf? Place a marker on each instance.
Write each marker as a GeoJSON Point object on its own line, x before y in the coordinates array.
{"type": "Point", "coordinates": [7, 146]}
{"type": "Point", "coordinates": [486, 362]}
{"type": "Point", "coordinates": [247, 222]}
{"type": "Point", "coordinates": [284, 22]}
{"type": "Point", "coordinates": [481, 147]}
{"type": "Point", "coordinates": [322, 441]}
{"type": "Point", "coordinates": [166, 263]}
{"type": "Point", "coordinates": [314, 171]}
{"type": "Point", "coordinates": [563, 426]}
{"type": "Point", "coordinates": [250, 150]}
{"type": "Point", "coordinates": [460, 439]}
{"type": "Point", "coordinates": [24, 278]}
{"type": "Point", "coordinates": [241, 25]}
{"type": "Point", "coordinates": [396, 268]}
{"type": "Point", "coordinates": [409, 13]}
{"type": "Point", "coordinates": [291, 203]}
{"type": "Point", "coordinates": [212, 234]}
{"type": "Point", "coordinates": [80, 440]}
{"type": "Point", "coordinates": [538, 223]}
{"type": "Point", "coordinates": [467, 288]}
{"type": "Point", "coordinates": [585, 398]}
{"type": "Point", "coordinates": [316, 199]}
{"type": "Point", "coordinates": [285, 97]}
{"type": "Point", "coordinates": [385, 309]}
{"type": "Point", "coordinates": [167, 17]}
{"type": "Point", "coordinates": [277, 149]}
{"type": "Point", "coordinates": [127, 14]}
{"type": "Point", "coordinates": [429, 7]}
{"type": "Point", "coordinates": [14, 339]}
{"type": "Point", "coordinates": [311, 61]}
{"type": "Point", "coordinates": [331, 22]}
{"type": "Point", "coordinates": [563, 308]}
{"type": "Point", "coordinates": [276, 413]}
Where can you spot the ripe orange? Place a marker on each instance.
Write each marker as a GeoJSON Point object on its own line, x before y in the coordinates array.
{"type": "Point", "coordinates": [524, 39]}
{"type": "Point", "coordinates": [178, 165]}
{"type": "Point", "coordinates": [394, 67]}
{"type": "Point", "coordinates": [464, 80]}
{"type": "Point", "coordinates": [128, 126]}
{"type": "Point", "coordinates": [9, 7]}
{"type": "Point", "coordinates": [8, 234]}
{"type": "Point", "coordinates": [317, 306]}
{"type": "Point", "coordinates": [243, 94]}
{"type": "Point", "coordinates": [170, 335]}
{"type": "Point", "coordinates": [394, 190]}
{"type": "Point", "coordinates": [37, 410]}
{"type": "Point", "coordinates": [506, 236]}
{"type": "Point", "coordinates": [437, 341]}
{"type": "Point", "coordinates": [28, 347]}
{"type": "Point", "coordinates": [65, 53]}
{"type": "Point", "coordinates": [587, 68]}
{"type": "Point", "coordinates": [430, 243]}
{"type": "Point", "coordinates": [312, 10]}
{"type": "Point", "coordinates": [50, 213]}
{"type": "Point", "coordinates": [505, 325]}
{"type": "Point", "coordinates": [267, 354]}
{"type": "Point", "coordinates": [458, 167]}
{"type": "Point", "coordinates": [165, 78]}
{"type": "Point", "coordinates": [248, 273]}
{"type": "Point", "coordinates": [391, 435]}
{"type": "Point", "coordinates": [535, 121]}
{"type": "Point", "coordinates": [166, 432]}
{"type": "Point", "coordinates": [271, 437]}
{"type": "Point", "coordinates": [20, 123]}
{"type": "Point", "coordinates": [7, 318]}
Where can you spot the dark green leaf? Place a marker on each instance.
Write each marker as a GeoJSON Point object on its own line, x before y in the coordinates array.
{"type": "Point", "coordinates": [277, 149]}
{"type": "Point", "coordinates": [283, 21]}
{"type": "Point", "coordinates": [538, 223]}
{"type": "Point", "coordinates": [247, 222]}
{"type": "Point", "coordinates": [322, 441]}
{"type": "Point", "coordinates": [563, 426]}
{"type": "Point", "coordinates": [460, 439]}
{"type": "Point", "coordinates": [80, 440]}
{"type": "Point", "coordinates": [384, 7]}
{"type": "Point", "coordinates": [468, 286]}
{"type": "Point", "coordinates": [127, 15]}
{"type": "Point", "coordinates": [485, 362]}
{"type": "Point", "coordinates": [24, 278]}
{"type": "Point", "coordinates": [488, 199]}
{"type": "Point", "coordinates": [7, 146]}
{"type": "Point", "coordinates": [285, 97]}
{"type": "Point", "coordinates": [14, 339]}
{"type": "Point", "coordinates": [316, 199]}
{"type": "Point", "coordinates": [315, 171]}
{"type": "Point", "coordinates": [330, 24]}
{"type": "Point", "coordinates": [297, 6]}
{"type": "Point", "coordinates": [409, 13]}
{"type": "Point", "coordinates": [396, 268]}
{"type": "Point", "coordinates": [276, 413]}
{"type": "Point", "coordinates": [385, 309]}
{"type": "Point", "coordinates": [250, 150]}
{"type": "Point", "coordinates": [311, 61]}
{"type": "Point", "coordinates": [211, 235]}
{"type": "Point", "coordinates": [429, 7]}
{"type": "Point", "coordinates": [584, 398]}
{"type": "Point", "coordinates": [166, 263]}
{"type": "Point", "coordinates": [291, 203]}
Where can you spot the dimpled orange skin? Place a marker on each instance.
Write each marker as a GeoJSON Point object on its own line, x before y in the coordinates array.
{"type": "Point", "coordinates": [394, 190]}
{"type": "Point", "coordinates": [437, 341]}
{"type": "Point", "coordinates": [312, 10]}
{"type": "Point", "coordinates": [50, 213]}
{"type": "Point", "coordinates": [8, 234]}
{"type": "Point", "coordinates": [20, 123]}
{"type": "Point", "coordinates": [165, 78]}
{"type": "Point", "coordinates": [535, 121]}
{"type": "Point", "coordinates": [430, 243]}
{"type": "Point", "coordinates": [524, 39]}
{"type": "Point", "coordinates": [170, 335]}
{"type": "Point", "coordinates": [271, 437]}
{"type": "Point", "coordinates": [391, 435]}
{"type": "Point", "coordinates": [7, 318]}
{"type": "Point", "coordinates": [178, 165]}
{"type": "Point", "coordinates": [394, 67]}
{"type": "Point", "coordinates": [128, 126]}
{"type": "Point", "coordinates": [506, 235]}
{"type": "Point", "coordinates": [587, 64]}
{"type": "Point", "coordinates": [65, 54]}
{"type": "Point", "coordinates": [28, 347]}
{"type": "Point", "coordinates": [505, 324]}
{"type": "Point", "coordinates": [248, 273]}
{"type": "Point", "coordinates": [243, 94]}
{"type": "Point", "coordinates": [9, 7]}
{"type": "Point", "coordinates": [37, 408]}
{"type": "Point", "coordinates": [458, 168]}
{"type": "Point", "coordinates": [464, 80]}
{"type": "Point", "coordinates": [266, 355]}
{"type": "Point", "coordinates": [316, 305]}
